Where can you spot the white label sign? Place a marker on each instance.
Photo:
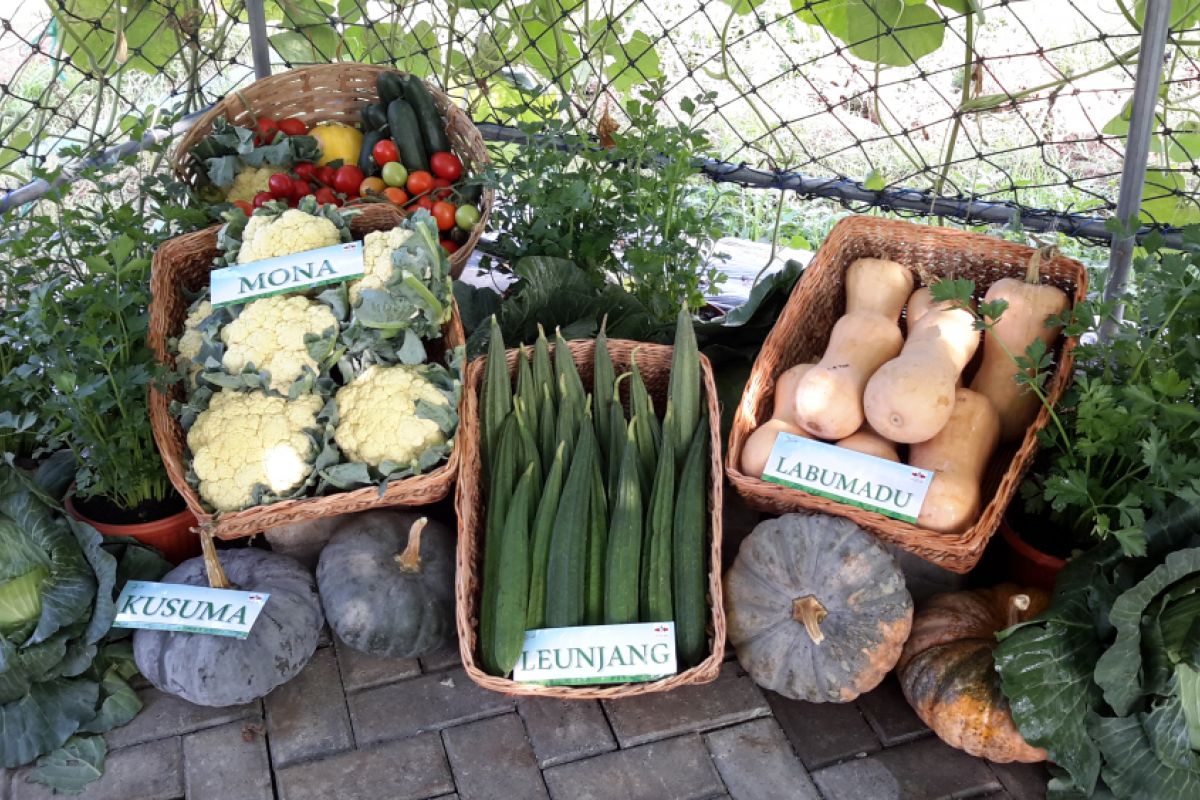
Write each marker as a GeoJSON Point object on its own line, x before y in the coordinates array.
{"type": "Point", "coordinates": [892, 489]}
{"type": "Point", "coordinates": [195, 609]}
{"type": "Point", "coordinates": [642, 651]}
{"type": "Point", "coordinates": [294, 273]}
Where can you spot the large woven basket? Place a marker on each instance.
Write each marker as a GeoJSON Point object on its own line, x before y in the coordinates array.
{"type": "Point", "coordinates": [335, 93]}
{"type": "Point", "coordinates": [181, 267]}
{"type": "Point", "coordinates": [802, 331]}
{"type": "Point", "coordinates": [654, 361]}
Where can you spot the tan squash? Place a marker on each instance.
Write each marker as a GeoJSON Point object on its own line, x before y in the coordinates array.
{"type": "Point", "coordinates": [758, 445]}
{"type": "Point", "coordinates": [785, 392]}
{"type": "Point", "coordinates": [865, 440]}
{"type": "Point", "coordinates": [829, 396]}
{"type": "Point", "coordinates": [1030, 304]}
{"type": "Point", "coordinates": [958, 455]}
{"type": "Point", "coordinates": [910, 398]}
{"type": "Point", "coordinates": [879, 286]}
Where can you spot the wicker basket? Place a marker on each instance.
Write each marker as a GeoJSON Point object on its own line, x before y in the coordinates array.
{"type": "Point", "coordinates": [181, 266]}
{"type": "Point", "coordinates": [335, 93]}
{"type": "Point", "coordinates": [802, 331]}
{"type": "Point", "coordinates": [655, 363]}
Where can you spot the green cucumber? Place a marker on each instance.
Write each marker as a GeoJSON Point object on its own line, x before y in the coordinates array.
{"type": "Point", "coordinates": [511, 590]}
{"type": "Point", "coordinates": [498, 499]}
{"type": "Point", "coordinates": [495, 397]}
{"type": "Point", "coordinates": [602, 390]}
{"type": "Point", "coordinates": [683, 391]}
{"type": "Point", "coordinates": [621, 567]}
{"type": "Point", "coordinates": [543, 527]}
{"type": "Point", "coordinates": [433, 130]}
{"type": "Point", "coordinates": [597, 550]}
{"type": "Point", "coordinates": [390, 86]}
{"type": "Point", "coordinates": [402, 123]}
{"type": "Point", "coordinates": [656, 547]}
{"type": "Point", "coordinates": [374, 117]}
{"type": "Point", "coordinates": [689, 551]}
{"type": "Point", "coordinates": [566, 571]}
{"type": "Point", "coordinates": [366, 162]}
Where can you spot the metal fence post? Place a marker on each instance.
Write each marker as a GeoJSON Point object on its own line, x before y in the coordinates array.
{"type": "Point", "coordinates": [260, 48]}
{"type": "Point", "coordinates": [1137, 150]}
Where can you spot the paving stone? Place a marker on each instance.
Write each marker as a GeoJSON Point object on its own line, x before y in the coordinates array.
{"type": "Point", "coordinates": [228, 762]}
{"type": "Point", "coordinates": [492, 759]}
{"type": "Point", "coordinates": [822, 733]}
{"type": "Point", "coordinates": [927, 768]}
{"type": "Point", "coordinates": [563, 730]}
{"type": "Point", "coordinates": [729, 699]}
{"type": "Point", "coordinates": [4, 783]}
{"type": "Point", "coordinates": [406, 770]}
{"type": "Point", "coordinates": [890, 715]}
{"type": "Point", "coordinates": [363, 671]}
{"type": "Point", "coordinates": [164, 715]}
{"type": "Point", "coordinates": [428, 703]}
{"type": "Point", "coordinates": [670, 769]}
{"type": "Point", "coordinates": [152, 771]}
{"type": "Point", "coordinates": [307, 717]}
{"type": "Point", "coordinates": [446, 658]}
{"type": "Point", "coordinates": [756, 762]}
{"type": "Point", "coordinates": [1023, 781]}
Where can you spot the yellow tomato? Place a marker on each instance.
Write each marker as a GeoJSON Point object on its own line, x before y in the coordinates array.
{"type": "Point", "coordinates": [371, 186]}
{"type": "Point", "coordinates": [338, 142]}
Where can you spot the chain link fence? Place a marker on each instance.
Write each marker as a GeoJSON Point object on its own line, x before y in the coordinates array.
{"type": "Point", "coordinates": [1018, 102]}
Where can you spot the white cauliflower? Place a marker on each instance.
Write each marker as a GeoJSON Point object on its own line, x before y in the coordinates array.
{"type": "Point", "coordinates": [250, 181]}
{"type": "Point", "coordinates": [377, 418]}
{"type": "Point", "coordinates": [293, 231]}
{"type": "Point", "coordinates": [269, 333]}
{"type": "Point", "coordinates": [377, 259]}
{"type": "Point", "coordinates": [246, 439]}
{"type": "Point", "coordinates": [191, 340]}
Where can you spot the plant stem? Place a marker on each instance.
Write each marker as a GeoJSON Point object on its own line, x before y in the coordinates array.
{"type": "Point", "coordinates": [968, 71]}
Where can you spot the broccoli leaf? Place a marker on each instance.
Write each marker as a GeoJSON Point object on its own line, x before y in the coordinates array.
{"type": "Point", "coordinates": [68, 769]}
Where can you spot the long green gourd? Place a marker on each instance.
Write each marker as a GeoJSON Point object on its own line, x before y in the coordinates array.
{"type": "Point", "coordinates": [543, 528]}
{"type": "Point", "coordinates": [543, 370]}
{"type": "Point", "coordinates": [499, 496]}
{"type": "Point", "coordinates": [512, 595]}
{"type": "Point", "coordinates": [617, 426]}
{"type": "Point", "coordinates": [655, 587]}
{"type": "Point", "coordinates": [602, 393]}
{"type": "Point", "coordinates": [570, 412]}
{"type": "Point", "coordinates": [527, 452]}
{"type": "Point", "coordinates": [548, 427]}
{"type": "Point", "coordinates": [567, 569]}
{"type": "Point", "coordinates": [496, 396]}
{"type": "Point", "coordinates": [690, 531]}
{"type": "Point", "coordinates": [622, 573]}
{"type": "Point", "coordinates": [647, 431]}
{"type": "Point", "coordinates": [564, 366]}
{"type": "Point", "coordinates": [683, 390]}
{"type": "Point", "coordinates": [527, 390]}
{"type": "Point", "coordinates": [597, 551]}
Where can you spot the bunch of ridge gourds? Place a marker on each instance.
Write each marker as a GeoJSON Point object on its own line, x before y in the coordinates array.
{"type": "Point", "coordinates": [591, 518]}
{"type": "Point", "coordinates": [874, 391]}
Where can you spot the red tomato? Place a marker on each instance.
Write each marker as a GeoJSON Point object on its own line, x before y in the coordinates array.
{"type": "Point", "coordinates": [326, 175]}
{"type": "Point", "coordinates": [396, 195]}
{"type": "Point", "coordinates": [292, 126]}
{"type": "Point", "coordinates": [446, 165]}
{"type": "Point", "coordinates": [325, 195]}
{"type": "Point", "coordinates": [265, 130]}
{"type": "Point", "coordinates": [306, 170]}
{"type": "Point", "coordinates": [424, 202]}
{"type": "Point", "coordinates": [348, 179]}
{"type": "Point", "coordinates": [449, 245]}
{"type": "Point", "coordinates": [280, 185]}
{"type": "Point", "coordinates": [385, 152]}
{"type": "Point", "coordinates": [300, 188]}
{"type": "Point", "coordinates": [443, 212]}
{"type": "Point", "coordinates": [262, 197]}
{"type": "Point", "coordinates": [246, 208]}
{"type": "Point", "coordinates": [441, 189]}
{"type": "Point", "coordinates": [419, 182]}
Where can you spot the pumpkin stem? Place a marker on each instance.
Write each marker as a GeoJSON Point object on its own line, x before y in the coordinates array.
{"type": "Point", "coordinates": [410, 559]}
{"type": "Point", "coordinates": [1017, 606]}
{"type": "Point", "coordinates": [809, 612]}
{"type": "Point", "coordinates": [217, 578]}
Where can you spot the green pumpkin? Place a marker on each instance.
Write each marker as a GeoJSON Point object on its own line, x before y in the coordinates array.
{"type": "Point", "coordinates": [387, 582]}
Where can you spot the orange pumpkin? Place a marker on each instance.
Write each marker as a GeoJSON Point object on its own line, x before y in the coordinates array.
{"type": "Point", "coordinates": [949, 676]}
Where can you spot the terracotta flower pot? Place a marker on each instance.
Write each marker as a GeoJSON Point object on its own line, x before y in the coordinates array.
{"type": "Point", "coordinates": [172, 536]}
{"type": "Point", "coordinates": [1028, 566]}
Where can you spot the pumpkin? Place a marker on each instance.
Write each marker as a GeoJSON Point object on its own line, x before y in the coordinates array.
{"type": "Point", "coordinates": [817, 608]}
{"type": "Point", "coordinates": [223, 671]}
{"type": "Point", "coordinates": [958, 456]}
{"type": "Point", "coordinates": [949, 677]}
{"type": "Point", "coordinates": [387, 582]}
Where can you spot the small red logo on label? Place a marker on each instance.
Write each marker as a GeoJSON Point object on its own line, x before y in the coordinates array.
{"type": "Point", "coordinates": [256, 597]}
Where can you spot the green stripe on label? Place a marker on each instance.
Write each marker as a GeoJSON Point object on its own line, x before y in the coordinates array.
{"type": "Point", "coordinates": [593, 681]}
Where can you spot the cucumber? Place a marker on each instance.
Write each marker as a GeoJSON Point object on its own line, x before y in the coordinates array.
{"type": "Point", "coordinates": [621, 568]}
{"type": "Point", "coordinates": [511, 587]}
{"type": "Point", "coordinates": [566, 570]}
{"type": "Point", "coordinates": [433, 130]}
{"type": "Point", "coordinates": [539, 551]}
{"type": "Point", "coordinates": [402, 122]}
{"type": "Point", "coordinates": [498, 498]}
{"type": "Point", "coordinates": [366, 162]}
{"type": "Point", "coordinates": [689, 549]}
{"type": "Point", "coordinates": [656, 546]}
{"type": "Point", "coordinates": [597, 550]}
{"type": "Point", "coordinates": [374, 116]}
{"type": "Point", "coordinates": [390, 86]}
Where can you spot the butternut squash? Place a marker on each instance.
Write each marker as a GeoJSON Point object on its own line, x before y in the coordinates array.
{"type": "Point", "coordinates": [865, 440]}
{"type": "Point", "coordinates": [958, 456]}
{"type": "Point", "coordinates": [757, 448]}
{"type": "Point", "coordinates": [829, 396]}
{"type": "Point", "coordinates": [785, 392]}
{"type": "Point", "coordinates": [910, 398]}
{"type": "Point", "coordinates": [879, 286]}
{"type": "Point", "coordinates": [1030, 304]}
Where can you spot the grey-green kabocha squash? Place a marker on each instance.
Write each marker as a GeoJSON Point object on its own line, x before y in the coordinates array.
{"type": "Point", "coordinates": [223, 671]}
{"type": "Point", "coordinates": [387, 583]}
{"type": "Point", "coordinates": [817, 608]}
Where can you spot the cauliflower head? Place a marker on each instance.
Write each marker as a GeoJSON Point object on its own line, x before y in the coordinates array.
{"type": "Point", "coordinates": [269, 333]}
{"type": "Point", "coordinates": [293, 231]}
{"type": "Point", "coordinates": [192, 339]}
{"type": "Point", "coordinates": [250, 181]}
{"type": "Point", "coordinates": [377, 416]}
{"type": "Point", "coordinates": [248, 439]}
{"type": "Point", "coordinates": [377, 259]}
